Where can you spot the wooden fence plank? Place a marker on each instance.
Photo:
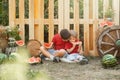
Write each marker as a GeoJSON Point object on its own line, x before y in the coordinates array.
{"type": "Point", "coordinates": [12, 13]}
{"type": "Point", "coordinates": [95, 26]}
{"type": "Point", "coordinates": [41, 21]}
{"type": "Point", "coordinates": [21, 18]}
{"type": "Point", "coordinates": [51, 18]}
{"type": "Point", "coordinates": [66, 13]}
{"type": "Point", "coordinates": [31, 19]}
{"type": "Point", "coordinates": [60, 14]}
{"type": "Point", "coordinates": [86, 26]}
{"type": "Point", "coordinates": [116, 8]}
{"type": "Point", "coordinates": [76, 16]}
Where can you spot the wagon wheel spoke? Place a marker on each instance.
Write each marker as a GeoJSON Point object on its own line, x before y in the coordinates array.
{"type": "Point", "coordinates": [117, 32]}
{"type": "Point", "coordinates": [110, 37]}
{"type": "Point", "coordinates": [109, 50]}
{"type": "Point", "coordinates": [116, 51]}
{"type": "Point", "coordinates": [106, 43]}
{"type": "Point", "coordinates": [101, 51]}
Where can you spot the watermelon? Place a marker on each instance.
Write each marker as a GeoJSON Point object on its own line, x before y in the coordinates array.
{"type": "Point", "coordinates": [33, 60]}
{"type": "Point", "coordinates": [109, 60]}
{"type": "Point", "coordinates": [13, 57]}
{"type": "Point", "coordinates": [20, 42]}
{"type": "Point", "coordinates": [3, 58]}
{"type": "Point", "coordinates": [48, 45]}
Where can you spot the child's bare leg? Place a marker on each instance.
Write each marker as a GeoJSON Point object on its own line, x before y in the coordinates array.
{"type": "Point", "coordinates": [60, 53]}
{"type": "Point", "coordinates": [46, 53]}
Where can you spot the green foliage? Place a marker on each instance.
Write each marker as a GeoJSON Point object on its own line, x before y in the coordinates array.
{"type": "Point", "coordinates": [109, 13]}
{"type": "Point", "coordinates": [100, 9]}
{"type": "Point", "coordinates": [4, 18]}
{"type": "Point", "coordinates": [13, 32]}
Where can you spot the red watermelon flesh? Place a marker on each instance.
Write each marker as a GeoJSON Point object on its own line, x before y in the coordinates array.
{"type": "Point", "coordinates": [48, 45]}
{"type": "Point", "coordinates": [34, 60]}
{"type": "Point", "coordinates": [20, 42]}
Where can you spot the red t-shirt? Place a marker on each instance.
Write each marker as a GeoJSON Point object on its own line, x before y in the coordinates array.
{"type": "Point", "coordinates": [69, 45]}
{"type": "Point", "coordinates": [58, 42]}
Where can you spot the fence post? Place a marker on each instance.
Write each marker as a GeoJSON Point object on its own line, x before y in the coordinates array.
{"type": "Point", "coordinates": [66, 14]}
{"type": "Point", "coordinates": [21, 18]}
{"type": "Point", "coordinates": [116, 9]}
{"type": "Point", "coordinates": [95, 27]}
{"type": "Point", "coordinates": [31, 19]}
{"type": "Point", "coordinates": [61, 14]}
{"type": "Point", "coordinates": [51, 19]}
{"type": "Point", "coordinates": [86, 26]}
{"type": "Point", "coordinates": [12, 13]}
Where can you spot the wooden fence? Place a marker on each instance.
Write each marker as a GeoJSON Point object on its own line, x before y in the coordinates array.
{"type": "Point", "coordinates": [36, 21]}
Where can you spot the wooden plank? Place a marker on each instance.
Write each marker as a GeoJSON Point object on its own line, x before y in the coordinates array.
{"type": "Point", "coordinates": [41, 21]}
{"type": "Point", "coordinates": [91, 9]}
{"type": "Point", "coordinates": [66, 13]}
{"type": "Point", "coordinates": [31, 19]}
{"type": "Point", "coordinates": [95, 26]}
{"type": "Point", "coordinates": [21, 18]}
{"type": "Point", "coordinates": [36, 16]}
{"type": "Point", "coordinates": [51, 19]}
{"type": "Point", "coordinates": [60, 14]}
{"type": "Point", "coordinates": [86, 26]}
{"type": "Point", "coordinates": [76, 16]}
{"type": "Point", "coordinates": [116, 8]}
{"type": "Point", "coordinates": [12, 13]}
{"type": "Point", "coordinates": [38, 28]}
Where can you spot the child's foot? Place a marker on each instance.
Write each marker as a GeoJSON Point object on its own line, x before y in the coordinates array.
{"type": "Point", "coordinates": [83, 61]}
{"type": "Point", "coordinates": [56, 59]}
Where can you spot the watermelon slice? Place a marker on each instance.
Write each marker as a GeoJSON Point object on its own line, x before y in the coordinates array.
{"type": "Point", "coordinates": [20, 42]}
{"type": "Point", "coordinates": [106, 23]}
{"type": "Point", "coordinates": [48, 45]}
{"type": "Point", "coordinates": [34, 60]}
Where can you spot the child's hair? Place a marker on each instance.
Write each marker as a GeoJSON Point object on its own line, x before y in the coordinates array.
{"type": "Point", "coordinates": [73, 33]}
{"type": "Point", "coordinates": [65, 34]}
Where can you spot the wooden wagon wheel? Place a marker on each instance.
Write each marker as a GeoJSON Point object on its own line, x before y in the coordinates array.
{"type": "Point", "coordinates": [109, 41]}
{"type": "Point", "coordinates": [33, 47]}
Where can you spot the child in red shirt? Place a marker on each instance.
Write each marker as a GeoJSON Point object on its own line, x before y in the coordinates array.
{"type": "Point", "coordinates": [58, 45]}
{"type": "Point", "coordinates": [74, 49]}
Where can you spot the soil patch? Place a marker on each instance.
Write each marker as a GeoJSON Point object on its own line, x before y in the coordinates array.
{"type": "Point", "coordinates": [73, 71]}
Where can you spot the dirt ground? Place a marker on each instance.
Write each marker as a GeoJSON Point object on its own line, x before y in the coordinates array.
{"type": "Point", "coordinates": [74, 71]}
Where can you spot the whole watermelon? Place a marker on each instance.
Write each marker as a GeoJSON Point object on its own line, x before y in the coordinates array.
{"type": "Point", "coordinates": [3, 58]}
{"type": "Point", "coordinates": [109, 60]}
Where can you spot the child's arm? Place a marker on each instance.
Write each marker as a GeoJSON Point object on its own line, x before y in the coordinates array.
{"type": "Point", "coordinates": [48, 45]}
{"type": "Point", "coordinates": [80, 49]}
{"type": "Point", "coordinates": [71, 49]}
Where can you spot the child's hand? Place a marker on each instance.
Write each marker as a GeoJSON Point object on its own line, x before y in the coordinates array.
{"type": "Point", "coordinates": [79, 43]}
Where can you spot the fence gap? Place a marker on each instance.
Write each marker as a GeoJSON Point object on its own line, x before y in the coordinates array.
{"type": "Point", "coordinates": [46, 7]}
{"type": "Point", "coordinates": [91, 36]}
{"type": "Point", "coordinates": [26, 33]}
{"type": "Point", "coordinates": [17, 8]}
{"type": "Point", "coordinates": [46, 33]}
{"type": "Point", "coordinates": [26, 3]}
{"type": "Point", "coordinates": [55, 9]}
{"type": "Point", "coordinates": [55, 29]}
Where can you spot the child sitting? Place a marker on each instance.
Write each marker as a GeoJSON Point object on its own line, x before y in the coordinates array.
{"type": "Point", "coordinates": [74, 49]}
